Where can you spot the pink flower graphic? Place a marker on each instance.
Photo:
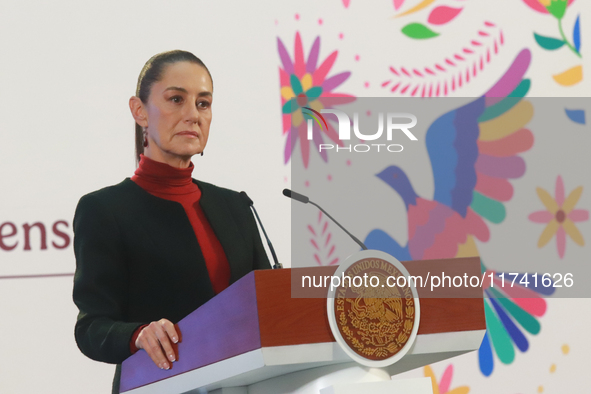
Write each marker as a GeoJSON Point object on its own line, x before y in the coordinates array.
{"type": "Point", "coordinates": [306, 82]}
{"type": "Point", "coordinates": [560, 216]}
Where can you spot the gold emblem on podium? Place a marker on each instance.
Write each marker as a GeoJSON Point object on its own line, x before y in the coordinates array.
{"type": "Point", "coordinates": [375, 310]}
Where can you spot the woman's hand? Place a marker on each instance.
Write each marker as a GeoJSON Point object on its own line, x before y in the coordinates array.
{"type": "Point", "coordinates": [157, 340]}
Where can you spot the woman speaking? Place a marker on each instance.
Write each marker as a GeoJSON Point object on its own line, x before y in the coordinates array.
{"type": "Point", "coordinates": [156, 246]}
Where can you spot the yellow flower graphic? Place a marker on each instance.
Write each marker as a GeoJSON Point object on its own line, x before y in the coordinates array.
{"type": "Point", "coordinates": [443, 386]}
{"type": "Point", "coordinates": [560, 216]}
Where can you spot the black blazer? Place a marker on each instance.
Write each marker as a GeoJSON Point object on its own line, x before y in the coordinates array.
{"type": "Point", "coordinates": [138, 260]}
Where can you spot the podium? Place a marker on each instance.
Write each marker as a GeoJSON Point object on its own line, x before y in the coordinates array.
{"type": "Point", "coordinates": [254, 337]}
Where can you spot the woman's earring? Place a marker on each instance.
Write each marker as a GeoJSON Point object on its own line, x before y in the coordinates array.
{"type": "Point", "coordinates": [202, 152]}
{"type": "Point", "coordinates": [145, 133]}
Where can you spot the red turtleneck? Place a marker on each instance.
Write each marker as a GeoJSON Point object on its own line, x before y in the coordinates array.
{"type": "Point", "coordinates": [176, 184]}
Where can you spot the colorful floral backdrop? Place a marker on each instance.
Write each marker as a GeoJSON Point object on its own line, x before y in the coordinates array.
{"type": "Point", "coordinates": [515, 49]}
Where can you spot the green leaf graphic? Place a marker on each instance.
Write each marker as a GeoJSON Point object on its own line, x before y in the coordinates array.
{"type": "Point", "coordinates": [418, 31]}
{"type": "Point", "coordinates": [557, 8]}
{"type": "Point", "coordinates": [548, 43]}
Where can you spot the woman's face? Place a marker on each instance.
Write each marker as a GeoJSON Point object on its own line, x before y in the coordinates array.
{"type": "Point", "coordinates": [178, 114]}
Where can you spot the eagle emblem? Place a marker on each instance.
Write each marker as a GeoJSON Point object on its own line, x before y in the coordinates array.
{"type": "Point", "coordinates": [375, 320]}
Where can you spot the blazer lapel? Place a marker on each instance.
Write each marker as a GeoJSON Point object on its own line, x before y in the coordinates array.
{"type": "Point", "coordinates": [168, 228]}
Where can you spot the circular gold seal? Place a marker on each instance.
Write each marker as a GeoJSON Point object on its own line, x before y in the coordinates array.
{"type": "Point", "coordinates": [374, 309]}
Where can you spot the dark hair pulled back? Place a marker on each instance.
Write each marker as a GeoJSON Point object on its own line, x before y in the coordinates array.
{"type": "Point", "coordinates": [152, 73]}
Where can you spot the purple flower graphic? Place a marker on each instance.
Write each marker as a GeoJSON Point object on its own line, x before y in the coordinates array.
{"type": "Point", "coordinates": [305, 81]}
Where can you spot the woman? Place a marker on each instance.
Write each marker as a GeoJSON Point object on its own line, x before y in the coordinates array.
{"type": "Point", "coordinates": [155, 247]}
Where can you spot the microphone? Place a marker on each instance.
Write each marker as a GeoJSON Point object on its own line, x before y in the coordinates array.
{"type": "Point", "coordinates": [303, 199]}
{"type": "Point", "coordinates": [296, 196]}
{"type": "Point", "coordinates": [251, 204]}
